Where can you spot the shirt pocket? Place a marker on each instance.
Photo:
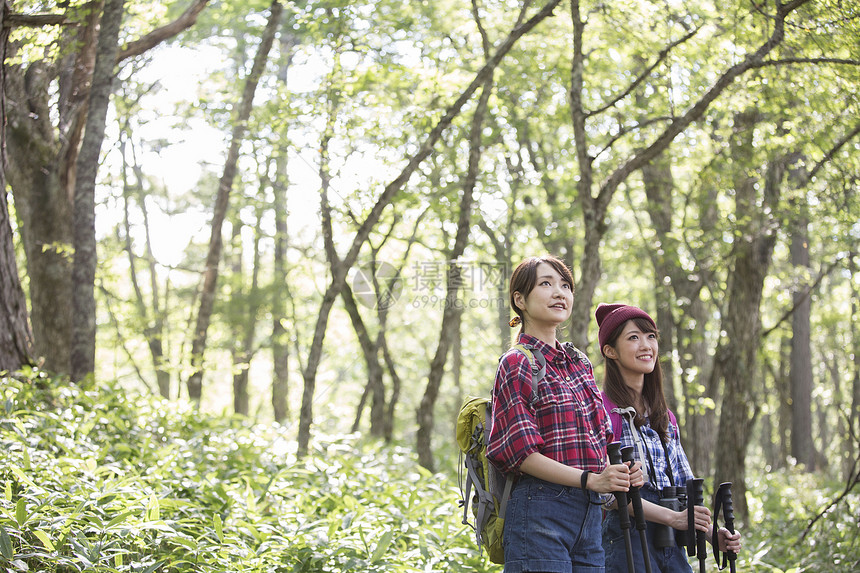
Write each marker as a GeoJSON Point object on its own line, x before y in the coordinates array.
{"type": "Point", "coordinates": [557, 398]}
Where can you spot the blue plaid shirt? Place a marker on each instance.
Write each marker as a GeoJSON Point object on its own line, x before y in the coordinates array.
{"type": "Point", "coordinates": [655, 469]}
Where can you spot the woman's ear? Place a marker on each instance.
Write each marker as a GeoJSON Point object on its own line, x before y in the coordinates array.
{"type": "Point", "coordinates": [609, 352]}
{"type": "Point", "coordinates": [519, 300]}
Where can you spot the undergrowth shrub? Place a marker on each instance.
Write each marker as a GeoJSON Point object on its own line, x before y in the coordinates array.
{"type": "Point", "coordinates": [98, 480]}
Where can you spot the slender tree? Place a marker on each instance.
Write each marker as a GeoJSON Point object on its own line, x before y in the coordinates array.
{"type": "Point", "coordinates": [452, 313]}
{"type": "Point", "coordinates": [595, 197]}
{"type": "Point", "coordinates": [754, 240]}
{"type": "Point", "coordinates": [153, 315]}
{"type": "Point", "coordinates": [225, 186]}
{"type": "Point", "coordinates": [280, 183]}
{"type": "Point", "coordinates": [83, 356]}
{"type": "Point", "coordinates": [800, 374]}
{"type": "Point", "coordinates": [372, 218]}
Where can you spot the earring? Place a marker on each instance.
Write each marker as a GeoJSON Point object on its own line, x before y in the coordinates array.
{"type": "Point", "coordinates": [515, 321]}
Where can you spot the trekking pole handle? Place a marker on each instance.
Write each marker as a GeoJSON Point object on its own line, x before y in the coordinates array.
{"type": "Point", "coordinates": [695, 496]}
{"type": "Point", "coordinates": [614, 451]}
{"type": "Point", "coordinates": [635, 496]}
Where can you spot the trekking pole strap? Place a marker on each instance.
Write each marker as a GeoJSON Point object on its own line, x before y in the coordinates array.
{"type": "Point", "coordinates": [723, 500]}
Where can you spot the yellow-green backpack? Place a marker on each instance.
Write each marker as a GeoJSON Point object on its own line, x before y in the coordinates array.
{"type": "Point", "coordinates": [492, 488]}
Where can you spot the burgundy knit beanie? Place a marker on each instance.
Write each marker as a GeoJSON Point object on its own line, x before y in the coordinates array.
{"type": "Point", "coordinates": [611, 316]}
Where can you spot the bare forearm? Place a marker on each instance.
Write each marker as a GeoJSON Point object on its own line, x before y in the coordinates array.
{"type": "Point", "coordinates": [613, 478]}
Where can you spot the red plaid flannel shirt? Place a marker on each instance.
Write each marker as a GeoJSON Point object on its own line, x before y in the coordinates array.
{"type": "Point", "coordinates": [567, 421]}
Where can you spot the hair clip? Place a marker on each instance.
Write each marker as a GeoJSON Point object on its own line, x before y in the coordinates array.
{"type": "Point", "coordinates": [515, 321]}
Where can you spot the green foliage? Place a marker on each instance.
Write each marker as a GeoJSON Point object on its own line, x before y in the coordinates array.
{"type": "Point", "coordinates": [97, 480]}
{"type": "Point", "coordinates": [782, 505]}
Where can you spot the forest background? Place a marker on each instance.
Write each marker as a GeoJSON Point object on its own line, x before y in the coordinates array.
{"type": "Point", "coordinates": [255, 254]}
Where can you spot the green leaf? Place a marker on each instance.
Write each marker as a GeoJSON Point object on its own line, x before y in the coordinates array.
{"type": "Point", "coordinates": [153, 509]}
{"type": "Point", "coordinates": [219, 530]}
{"type": "Point", "coordinates": [118, 519]}
{"type": "Point", "coordinates": [45, 539]}
{"type": "Point", "coordinates": [21, 512]}
{"type": "Point", "coordinates": [189, 543]}
{"type": "Point", "coordinates": [22, 476]}
{"type": "Point", "coordinates": [6, 544]}
{"type": "Point", "coordinates": [8, 490]}
{"type": "Point", "coordinates": [153, 567]}
{"type": "Point", "coordinates": [382, 546]}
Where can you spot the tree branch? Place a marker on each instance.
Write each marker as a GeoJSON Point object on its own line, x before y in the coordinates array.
{"type": "Point", "coordinates": [427, 146]}
{"type": "Point", "coordinates": [792, 61]}
{"type": "Point", "coordinates": [13, 20]}
{"type": "Point", "coordinates": [853, 480]}
{"type": "Point", "coordinates": [608, 186]}
{"type": "Point", "coordinates": [660, 57]}
{"type": "Point", "coordinates": [806, 294]}
{"type": "Point", "coordinates": [624, 131]}
{"type": "Point", "coordinates": [152, 39]}
{"type": "Point", "coordinates": [829, 155]}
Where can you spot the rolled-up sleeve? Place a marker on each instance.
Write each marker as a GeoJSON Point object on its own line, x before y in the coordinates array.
{"type": "Point", "coordinates": [683, 471]}
{"type": "Point", "coordinates": [514, 435]}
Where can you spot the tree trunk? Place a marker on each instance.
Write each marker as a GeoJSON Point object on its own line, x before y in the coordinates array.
{"type": "Point", "coordinates": [310, 372]}
{"type": "Point", "coordinates": [153, 326]}
{"type": "Point", "coordinates": [248, 304]}
{"type": "Point", "coordinates": [659, 189]}
{"type": "Point", "coordinates": [501, 270]}
{"type": "Point", "coordinates": [15, 337]}
{"type": "Point", "coordinates": [41, 173]}
{"type": "Point", "coordinates": [280, 184]}
{"type": "Point", "coordinates": [41, 168]}
{"type": "Point", "coordinates": [699, 419]}
{"type": "Point", "coordinates": [800, 375]}
{"type": "Point", "coordinates": [83, 355]}
{"type": "Point", "coordinates": [16, 340]}
{"type": "Point", "coordinates": [754, 240]}
{"type": "Point", "coordinates": [854, 418]}
{"type": "Point", "coordinates": [451, 315]}
{"type": "Point", "coordinates": [225, 186]}
{"type": "Point", "coordinates": [374, 388]}
{"type": "Point", "coordinates": [396, 386]}
{"type": "Point", "coordinates": [784, 395]}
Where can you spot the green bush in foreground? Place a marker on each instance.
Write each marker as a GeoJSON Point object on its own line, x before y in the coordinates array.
{"type": "Point", "coordinates": [95, 480]}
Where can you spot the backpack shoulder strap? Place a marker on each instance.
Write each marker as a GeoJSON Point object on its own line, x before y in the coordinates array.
{"type": "Point", "coordinates": [536, 360]}
{"type": "Point", "coordinates": [614, 416]}
{"type": "Point", "coordinates": [672, 417]}
{"type": "Point", "coordinates": [576, 354]}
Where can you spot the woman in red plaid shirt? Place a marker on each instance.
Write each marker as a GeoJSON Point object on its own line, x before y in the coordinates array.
{"type": "Point", "coordinates": [553, 438]}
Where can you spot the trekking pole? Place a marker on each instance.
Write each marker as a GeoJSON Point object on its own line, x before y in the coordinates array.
{"type": "Point", "coordinates": [723, 498]}
{"type": "Point", "coordinates": [614, 451]}
{"type": "Point", "coordinates": [638, 512]}
{"type": "Point", "coordinates": [696, 541]}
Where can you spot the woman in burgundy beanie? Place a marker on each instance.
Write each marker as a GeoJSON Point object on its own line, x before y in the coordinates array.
{"type": "Point", "coordinates": [611, 316]}
{"type": "Point", "coordinates": [633, 398]}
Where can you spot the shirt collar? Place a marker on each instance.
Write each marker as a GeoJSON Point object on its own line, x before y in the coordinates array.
{"type": "Point", "coordinates": [551, 353]}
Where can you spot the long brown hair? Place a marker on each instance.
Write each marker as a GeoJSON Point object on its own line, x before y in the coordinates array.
{"type": "Point", "coordinates": [652, 389]}
{"type": "Point", "coordinates": [524, 278]}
